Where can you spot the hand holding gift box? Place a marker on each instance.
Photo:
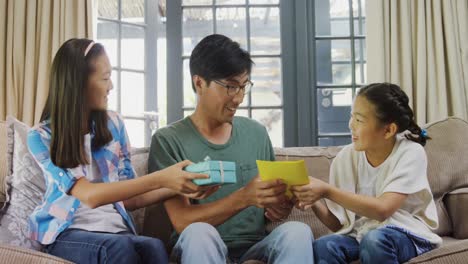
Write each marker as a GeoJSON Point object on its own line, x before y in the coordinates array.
{"type": "Point", "coordinates": [220, 172]}
{"type": "Point", "coordinates": [291, 172]}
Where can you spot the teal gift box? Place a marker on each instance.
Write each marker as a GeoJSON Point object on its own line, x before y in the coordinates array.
{"type": "Point", "coordinates": [220, 172]}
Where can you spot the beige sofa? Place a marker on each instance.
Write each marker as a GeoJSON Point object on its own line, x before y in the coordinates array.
{"type": "Point", "coordinates": [448, 175]}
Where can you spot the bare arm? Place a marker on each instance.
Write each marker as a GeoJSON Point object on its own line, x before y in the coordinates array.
{"type": "Point", "coordinates": [173, 177]}
{"type": "Point", "coordinates": [160, 195]}
{"type": "Point", "coordinates": [378, 208]}
{"type": "Point", "coordinates": [326, 217]}
{"type": "Point", "coordinates": [148, 198]}
{"type": "Point", "coordinates": [256, 193]}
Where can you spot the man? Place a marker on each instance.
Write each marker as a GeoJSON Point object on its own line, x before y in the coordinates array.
{"type": "Point", "coordinates": [220, 72]}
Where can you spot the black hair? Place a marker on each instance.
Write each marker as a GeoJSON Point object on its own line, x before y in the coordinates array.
{"type": "Point", "coordinates": [218, 57]}
{"type": "Point", "coordinates": [392, 106]}
{"type": "Point", "coordinates": [65, 104]}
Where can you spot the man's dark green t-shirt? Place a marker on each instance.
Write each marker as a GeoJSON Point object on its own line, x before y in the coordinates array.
{"type": "Point", "coordinates": [249, 142]}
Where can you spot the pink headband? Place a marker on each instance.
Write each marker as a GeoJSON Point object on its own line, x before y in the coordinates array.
{"type": "Point", "coordinates": [88, 48]}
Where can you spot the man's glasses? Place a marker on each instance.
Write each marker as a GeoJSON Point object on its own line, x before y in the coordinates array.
{"type": "Point", "coordinates": [235, 89]}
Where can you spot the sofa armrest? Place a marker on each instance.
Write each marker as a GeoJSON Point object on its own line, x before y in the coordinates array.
{"type": "Point", "coordinates": [13, 254]}
{"type": "Point", "coordinates": [453, 252]}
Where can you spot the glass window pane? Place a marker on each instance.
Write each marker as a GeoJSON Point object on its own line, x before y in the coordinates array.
{"type": "Point", "coordinates": [361, 59]}
{"type": "Point", "coordinates": [361, 51]}
{"type": "Point", "coordinates": [197, 23]}
{"type": "Point", "coordinates": [262, 2]}
{"type": "Point", "coordinates": [232, 23]}
{"type": "Point", "coordinates": [332, 17]}
{"type": "Point", "coordinates": [107, 35]}
{"type": "Point", "coordinates": [133, 47]}
{"type": "Point", "coordinates": [162, 77]}
{"type": "Point", "coordinates": [132, 93]}
{"type": "Point", "coordinates": [333, 61]}
{"type": "Point", "coordinates": [136, 132]}
{"type": "Point", "coordinates": [265, 30]}
{"type": "Point", "coordinates": [266, 76]}
{"type": "Point", "coordinates": [334, 141]}
{"type": "Point", "coordinates": [361, 73]}
{"type": "Point", "coordinates": [359, 8]}
{"type": "Point", "coordinates": [272, 119]}
{"type": "Point", "coordinates": [108, 8]}
{"type": "Point", "coordinates": [230, 2]}
{"type": "Point", "coordinates": [333, 108]}
{"type": "Point", "coordinates": [133, 11]}
{"type": "Point", "coordinates": [112, 97]}
{"type": "Point", "coordinates": [242, 112]}
{"type": "Point", "coordinates": [359, 26]}
{"type": "Point", "coordinates": [246, 101]}
{"type": "Point", "coordinates": [196, 2]}
{"type": "Point", "coordinates": [190, 99]}
{"type": "Point", "coordinates": [188, 112]}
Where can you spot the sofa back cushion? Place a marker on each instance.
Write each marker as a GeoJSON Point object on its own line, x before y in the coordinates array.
{"type": "Point", "coordinates": [318, 161]}
{"type": "Point", "coordinates": [447, 152]}
{"type": "Point", "coordinates": [3, 160]}
{"type": "Point", "coordinates": [456, 203]}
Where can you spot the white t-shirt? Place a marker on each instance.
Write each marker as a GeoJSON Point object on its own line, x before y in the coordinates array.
{"type": "Point", "coordinates": [101, 219]}
{"type": "Point", "coordinates": [404, 171]}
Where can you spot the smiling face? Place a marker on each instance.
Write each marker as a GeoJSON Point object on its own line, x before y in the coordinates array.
{"type": "Point", "coordinates": [99, 84]}
{"type": "Point", "coordinates": [367, 132]}
{"type": "Point", "coordinates": [214, 101]}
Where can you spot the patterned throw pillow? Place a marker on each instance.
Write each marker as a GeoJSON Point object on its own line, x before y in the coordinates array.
{"type": "Point", "coordinates": [25, 188]}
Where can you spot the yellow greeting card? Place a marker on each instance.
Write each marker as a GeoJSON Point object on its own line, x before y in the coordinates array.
{"type": "Point", "coordinates": [291, 172]}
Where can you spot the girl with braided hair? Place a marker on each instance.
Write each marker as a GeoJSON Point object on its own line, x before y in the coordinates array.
{"type": "Point", "coordinates": [378, 200]}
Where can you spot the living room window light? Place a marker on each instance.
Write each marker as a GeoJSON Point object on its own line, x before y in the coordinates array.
{"type": "Point", "coordinates": [134, 34]}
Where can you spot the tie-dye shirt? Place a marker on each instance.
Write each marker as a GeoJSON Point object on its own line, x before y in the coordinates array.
{"type": "Point", "coordinates": [56, 211]}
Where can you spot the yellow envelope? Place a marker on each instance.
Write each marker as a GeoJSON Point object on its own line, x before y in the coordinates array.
{"type": "Point", "coordinates": [291, 172]}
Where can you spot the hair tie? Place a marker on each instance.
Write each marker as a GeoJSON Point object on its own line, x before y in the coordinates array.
{"type": "Point", "coordinates": [423, 133]}
{"type": "Point", "coordinates": [88, 48]}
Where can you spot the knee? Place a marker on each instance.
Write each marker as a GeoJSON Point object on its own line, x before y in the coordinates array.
{"type": "Point", "coordinates": [295, 231]}
{"type": "Point", "coordinates": [120, 247]}
{"type": "Point", "coordinates": [200, 232]}
{"type": "Point", "coordinates": [372, 241]}
{"type": "Point", "coordinates": [156, 244]}
{"type": "Point", "coordinates": [325, 245]}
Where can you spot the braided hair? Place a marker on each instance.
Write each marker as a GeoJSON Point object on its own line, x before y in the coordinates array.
{"type": "Point", "coordinates": [391, 104]}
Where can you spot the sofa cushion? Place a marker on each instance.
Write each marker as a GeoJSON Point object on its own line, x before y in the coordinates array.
{"type": "Point", "coordinates": [12, 254]}
{"type": "Point", "coordinates": [3, 160]}
{"type": "Point", "coordinates": [26, 186]}
{"type": "Point", "coordinates": [139, 157]}
{"type": "Point", "coordinates": [446, 153]}
{"type": "Point", "coordinates": [447, 167]}
{"type": "Point", "coordinates": [449, 252]}
{"type": "Point", "coordinates": [456, 203]}
{"type": "Point", "coordinates": [318, 161]}
{"type": "Point", "coordinates": [445, 224]}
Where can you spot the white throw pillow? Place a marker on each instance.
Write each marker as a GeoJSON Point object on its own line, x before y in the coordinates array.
{"type": "Point", "coordinates": [25, 188]}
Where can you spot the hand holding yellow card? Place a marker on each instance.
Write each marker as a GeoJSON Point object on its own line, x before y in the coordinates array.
{"type": "Point", "coordinates": [291, 172]}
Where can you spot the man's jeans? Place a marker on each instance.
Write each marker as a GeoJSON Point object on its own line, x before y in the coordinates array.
{"type": "Point", "coordinates": [383, 245]}
{"type": "Point", "coordinates": [290, 242]}
{"type": "Point", "coordinates": [86, 247]}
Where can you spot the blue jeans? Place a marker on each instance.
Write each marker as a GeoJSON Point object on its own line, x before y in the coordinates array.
{"type": "Point", "coordinates": [290, 242]}
{"type": "Point", "coordinates": [80, 246]}
{"type": "Point", "coordinates": [383, 245]}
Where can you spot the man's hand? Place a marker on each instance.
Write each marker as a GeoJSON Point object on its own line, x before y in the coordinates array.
{"type": "Point", "coordinates": [265, 193]}
{"type": "Point", "coordinates": [277, 213]}
{"type": "Point", "coordinates": [203, 193]}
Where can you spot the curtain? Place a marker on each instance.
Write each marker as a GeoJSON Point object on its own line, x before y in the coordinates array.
{"type": "Point", "coordinates": [31, 31]}
{"type": "Point", "coordinates": [421, 45]}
